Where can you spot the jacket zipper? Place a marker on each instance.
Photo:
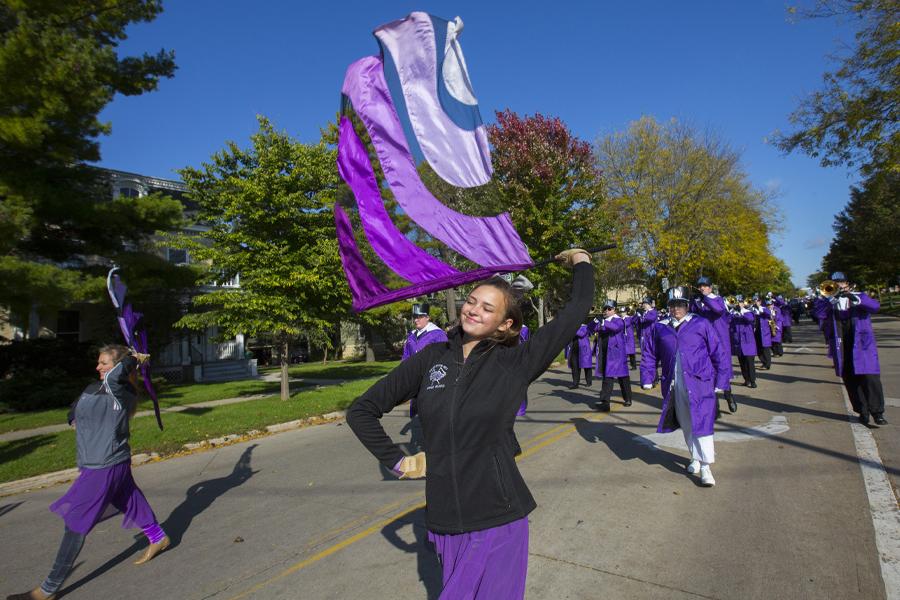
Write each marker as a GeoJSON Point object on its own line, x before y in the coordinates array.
{"type": "Point", "coordinates": [500, 481]}
{"type": "Point", "coordinates": [453, 448]}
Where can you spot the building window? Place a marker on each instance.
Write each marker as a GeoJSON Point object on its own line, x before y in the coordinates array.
{"type": "Point", "coordinates": [129, 192]}
{"type": "Point", "coordinates": [67, 325]}
{"type": "Point", "coordinates": [177, 256]}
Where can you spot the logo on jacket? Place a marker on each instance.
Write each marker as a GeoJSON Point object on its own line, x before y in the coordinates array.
{"type": "Point", "coordinates": [435, 375]}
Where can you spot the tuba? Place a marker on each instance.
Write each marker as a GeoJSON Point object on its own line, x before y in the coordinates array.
{"type": "Point", "coordinates": [827, 288]}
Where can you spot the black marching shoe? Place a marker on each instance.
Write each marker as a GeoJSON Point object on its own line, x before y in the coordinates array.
{"type": "Point", "coordinates": [627, 403]}
{"type": "Point", "coordinates": [880, 420]}
{"type": "Point", "coordinates": [602, 406]}
{"type": "Point", "coordinates": [732, 405]}
{"type": "Point", "coordinates": [752, 384]}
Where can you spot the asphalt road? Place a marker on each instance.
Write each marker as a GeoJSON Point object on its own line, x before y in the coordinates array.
{"type": "Point", "coordinates": [309, 514]}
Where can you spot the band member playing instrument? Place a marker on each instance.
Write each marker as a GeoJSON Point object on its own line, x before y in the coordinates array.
{"type": "Point", "coordinates": [713, 308]}
{"type": "Point", "coordinates": [762, 332]}
{"type": "Point", "coordinates": [610, 351]}
{"type": "Point", "coordinates": [689, 351]}
{"type": "Point", "coordinates": [743, 340]}
{"type": "Point", "coordinates": [630, 349]}
{"type": "Point", "coordinates": [846, 321]}
{"type": "Point", "coordinates": [775, 327]}
{"type": "Point", "coordinates": [785, 310]}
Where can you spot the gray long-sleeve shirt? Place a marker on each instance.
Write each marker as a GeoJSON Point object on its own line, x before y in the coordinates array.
{"type": "Point", "coordinates": [101, 418]}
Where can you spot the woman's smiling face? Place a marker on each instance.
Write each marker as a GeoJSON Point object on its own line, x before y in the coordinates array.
{"type": "Point", "coordinates": [483, 312]}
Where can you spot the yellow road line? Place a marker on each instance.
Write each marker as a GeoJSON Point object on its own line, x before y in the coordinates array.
{"type": "Point", "coordinates": [561, 431]}
{"type": "Point", "coordinates": [330, 550]}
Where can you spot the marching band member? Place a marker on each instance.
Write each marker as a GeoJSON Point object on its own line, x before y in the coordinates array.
{"type": "Point", "coordinates": [579, 357]}
{"type": "Point", "coordinates": [846, 321]}
{"type": "Point", "coordinates": [743, 340]}
{"type": "Point", "coordinates": [688, 349]}
{"type": "Point", "coordinates": [610, 352]}
{"type": "Point", "coordinates": [425, 333]}
{"type": "Point", "coordinates": [787, 318]}
{"type": "Point", "coordinates": [762, 332]}
{"type": "Point", "coordinates": [713, 308]}
{"type": "Point", "coordinates": [649, 316]}
{"type": "Point", "coordinates": [775, 326]}
{"type": "Point", "coordinates": [629, 338]}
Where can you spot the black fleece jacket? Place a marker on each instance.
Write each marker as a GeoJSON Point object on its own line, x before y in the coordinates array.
{"type": "Point", "coordinates": [467, 409]}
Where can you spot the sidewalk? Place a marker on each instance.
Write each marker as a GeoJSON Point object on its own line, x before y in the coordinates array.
{"type": "Point", "coordinates": [27, 433]}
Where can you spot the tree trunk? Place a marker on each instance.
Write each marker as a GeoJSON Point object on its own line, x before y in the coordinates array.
{"type": "Point", "coordinates": [540, 311]}
{"type": "Point", "coordinates": [451, 305]}
{"type": "Point", "coordinates": [324, 354]}
{"type": "Point", "coordinates": [370, 351]}
{"type": "Point", "coordinates": [285, 361]}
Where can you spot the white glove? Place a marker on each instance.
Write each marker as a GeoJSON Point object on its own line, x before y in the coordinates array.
{"type": "Point", "coordinates": [413, 467]}
{"type": "Point", "coordinates": [719, 391]}
{"type": "Point", "coordinates": [646, 386]}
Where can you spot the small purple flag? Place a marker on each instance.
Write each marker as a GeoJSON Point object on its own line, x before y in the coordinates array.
{"type": "Point", "coordinates": [134, 338]}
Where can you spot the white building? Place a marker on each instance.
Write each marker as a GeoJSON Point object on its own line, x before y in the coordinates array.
{"type": "Point", "coordinates": [192, 356]}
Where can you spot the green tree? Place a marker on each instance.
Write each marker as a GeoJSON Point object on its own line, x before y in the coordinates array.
{"type": "Point", "coordinates": [684, 207]}
{"type": "Point", "coordinates": [267, 209]}
{"type": "Point", "coordinates": [545, 177]}
{"type": "Point", "coordinates": [866, 232]}
{"type": "Point", "coordinates": [854, 118]}
{"type": "Point", "coordinates": [59, 67]}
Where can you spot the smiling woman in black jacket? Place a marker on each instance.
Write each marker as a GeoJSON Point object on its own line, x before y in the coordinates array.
{"type": "Point", "coordinates": [468, 390]}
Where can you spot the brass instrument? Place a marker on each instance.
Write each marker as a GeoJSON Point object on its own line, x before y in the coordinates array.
{"type": "Point", "coordinates": [731, 300]}
{"type": "Point", "coordinates": [828, 288]}
{"type": "Point", "coordinates": [773, 326]}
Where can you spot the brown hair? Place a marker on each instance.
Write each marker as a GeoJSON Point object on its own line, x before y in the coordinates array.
{"type": "Point", "coordinates": [117, 352]}
{"type": "Point", "coordinates": [513, 311]}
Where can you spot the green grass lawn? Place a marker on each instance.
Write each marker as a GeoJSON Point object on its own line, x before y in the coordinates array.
{"type": "Point", "coordinates": [46, 453]}
{"type": "Point", "coordinates": [342, 370]}
{"type": "Point", "coordinates": [170, 395]}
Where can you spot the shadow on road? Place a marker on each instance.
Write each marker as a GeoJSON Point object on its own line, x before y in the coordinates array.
{"type": "Point", "coordinates": [429, 568]}
{"type": "Point", "coordinates": [622, 443]}
{"type": "Point", "coordinates": [198, 498]}
{"type": "Point", "coordinates": [770, 376]}
{"type": "Point", "coordinates": [784, 407]}
{"type": "Point", "coordinates": [9, 507]}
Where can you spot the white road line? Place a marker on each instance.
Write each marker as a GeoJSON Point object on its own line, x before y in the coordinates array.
{"type": "Point", "coordinates": [882, 503]}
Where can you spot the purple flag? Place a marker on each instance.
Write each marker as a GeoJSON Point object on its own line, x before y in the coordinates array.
{"type": "Point", "coordinates": [128, 321]}
{"type": "Point", "coordinates": [448, 130]}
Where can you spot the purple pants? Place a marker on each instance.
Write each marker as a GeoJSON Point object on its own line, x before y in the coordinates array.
{"type": "Point", "coordinates": [484, 565]}
{"type": "Point", "coordinates": [100, 493]}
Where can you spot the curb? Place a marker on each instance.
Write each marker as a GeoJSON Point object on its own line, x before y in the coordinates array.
{"type": "Point", "coordinates": [19, 486]}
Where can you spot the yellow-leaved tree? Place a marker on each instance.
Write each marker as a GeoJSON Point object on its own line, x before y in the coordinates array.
{"type": "Point", "coordinates": [684, 208]}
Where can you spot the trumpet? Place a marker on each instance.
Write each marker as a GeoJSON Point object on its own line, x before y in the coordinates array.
{"type": "Point", "coordinates": [731, 300]}
{"type": "Point", "coordinates": [828, 288]}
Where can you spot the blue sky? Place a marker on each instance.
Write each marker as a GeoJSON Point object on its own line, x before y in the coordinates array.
{"type": "Point", "coordinates": [735, 68]}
